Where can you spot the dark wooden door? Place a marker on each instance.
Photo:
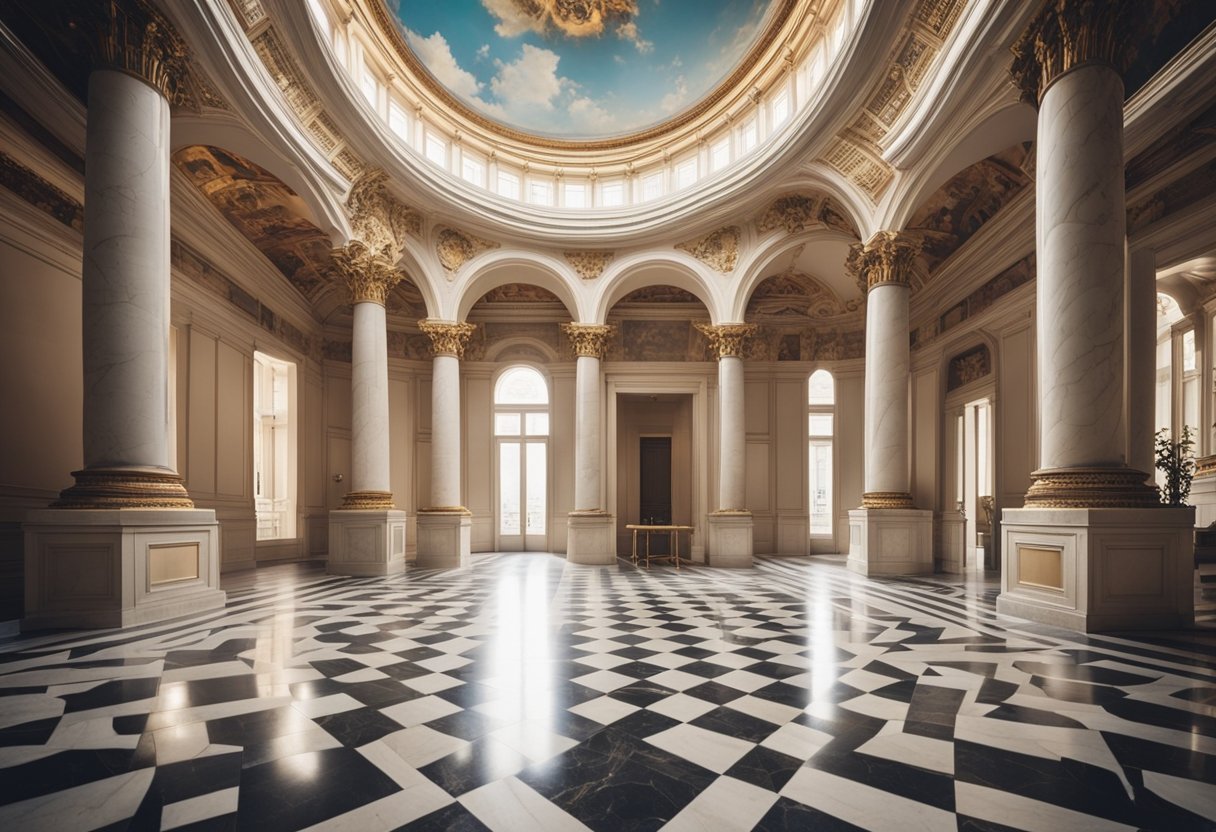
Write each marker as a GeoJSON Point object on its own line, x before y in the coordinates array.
{"type": "Point", "coordinates": [654, 504]}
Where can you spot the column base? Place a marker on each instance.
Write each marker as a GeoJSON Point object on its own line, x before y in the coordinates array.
{"type": "Point", "coordinates": [890, 541]}
{"type": "Point", "coordinates": [366, 542]}
{"type": "Point", "coordinates": [1095, 569]}
{"type": "Point", "coordinates": [100, 568]}
{"type": "Point", "coordinates": [590, 538]}
{"type": "Point", "coordinates": [131, 486]}
{"type": "Point", "coordinates": [730, 539]}
{"type": "Point", "coordinates": [445, 538]}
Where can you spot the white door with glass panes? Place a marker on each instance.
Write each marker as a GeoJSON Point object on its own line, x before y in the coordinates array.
{"type": "Point", "coordinates": [521, 443]}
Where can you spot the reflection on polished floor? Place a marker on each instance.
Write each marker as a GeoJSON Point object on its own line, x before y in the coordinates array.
{"type": "Point", "coordinates": [527, 694]}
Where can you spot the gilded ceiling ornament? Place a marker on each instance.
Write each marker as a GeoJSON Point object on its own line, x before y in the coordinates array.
{"type": "Point", "coordinates": [793, 212]}
{"type": "Point", "coordinates": [378, 219]}
{"type": "Point", "coordinates": [1068, 33]}
{"type": "Point", "coordinates": [447, 337]}
{"type": "Point", "coordinates": [455, 248]}
{"type": "Point", "coordinates": [589, 339]}
{"type": "Point", "coordinates": [369, 276]}
{"type": "Point", "coordinates": [727, 340]}
{"type": "Point", "coordinates": [133, 37]}
{"type": "Point", "coordinates": [888, 257]}
{"type": "Point", "coordinates": [719, 250]}
{"type": "Point", "coordinates": [589, 264]}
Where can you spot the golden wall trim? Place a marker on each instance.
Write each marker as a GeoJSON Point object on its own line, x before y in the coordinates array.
{"type": "Point", "coordinates": [368, 501]}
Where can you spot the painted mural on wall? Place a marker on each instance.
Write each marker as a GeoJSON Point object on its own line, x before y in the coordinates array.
{"type": "Point", "coordinates": [1019, 274]}
{"type": "Point", "coordinates": [974, 195]}
{"type": "Point", "coordinates": [969, 366]}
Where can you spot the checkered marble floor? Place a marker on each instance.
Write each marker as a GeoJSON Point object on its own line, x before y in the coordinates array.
{"type": "Point", "coordinates": [527, 694]}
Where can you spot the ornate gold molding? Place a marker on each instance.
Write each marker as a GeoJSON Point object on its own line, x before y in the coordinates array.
{"type": "Point", "coordinates": [719, 249]}
{"type": "Point", "coordinates": [447, 337]}
{"type": "Point", "coordinates": [1091, 488]}
{"type": "Point", "coordinates": [368, 501]}
{"type": "Point", "coordinates": [888, 258]}
{"type": "Point", "coordinates": [886, 499]}
{"type": "Point", "coordinates": [1068, 33]}
{"type": "Point", "coordinates": [455, 248]}
{"type": "Point", "coordinates": [131, 36]}
{"type": "Point", "coordinates": [727, 340]}
{"type": "Point", "coordinates": [589, 264]}
{"type": "Point", "coordinates": [589, 339]}
{"type": "Point", "coordinates": [1205, 466]}
{"type": "Point", "coordinates": [378, 219]}
{"type": "Point", "coordinates": [100, 488]}
{"type": "Point", "coordinates": [367, 276]}
{"type": "Point", "coordinates": [459, 511]}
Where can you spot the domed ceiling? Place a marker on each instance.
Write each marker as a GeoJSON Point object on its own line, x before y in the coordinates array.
{"type": "Point", "coordinates": [581, 69]}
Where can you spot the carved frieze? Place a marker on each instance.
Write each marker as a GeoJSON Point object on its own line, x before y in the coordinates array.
{"type": "Point", "coordinates": [589, 264]}
{"type": "Point", "coordinates": [719, 249]}
{"type": "Point", "coordinates": [447, 337]}
{"type": "Point", "coordinates": [589, 339]}
{"type": "Point", "coordinates": [378, 219]}
{"type": "Point", "coordinates": [972, 365]}
{"type": "Point", "coordinates": [455, 248]}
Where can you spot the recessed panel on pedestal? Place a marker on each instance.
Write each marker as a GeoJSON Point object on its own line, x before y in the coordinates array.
{"type": "Point", "coordinates": [1041, 567]}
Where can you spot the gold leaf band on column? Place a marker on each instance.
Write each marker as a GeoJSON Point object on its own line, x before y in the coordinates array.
{"type": "Point", "coordinates": [368, 501]}
{"type": "Point", "coordinates": [447, 337]}
{"type": "Point", "coordinates": [589, 339]}
{"type": "Point", "coordinates": [1091, 488]}
{"type": "Point", "coordinates": [886, 499]}
{"type": "Point", "coordinates": [102, 488]}
{"type": "Point", "coordinates": [727, 340]}
{"type": "Point", "coordinates": [133, 37]}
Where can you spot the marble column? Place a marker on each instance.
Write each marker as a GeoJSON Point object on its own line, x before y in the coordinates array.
{"type": "Point", "coordinates": [367, 534]}
{"type": "Point", "coordinates": [1092, 549]}
{"type": "Point", "coordinates": [888, 535]}
{"type": "Point", "coordinates": [589, 529]}
{"type": "Point", "coordinates": [445, 527]}
{"type": "Point", "coordinates": [132, 548]}
{"type": "Point", "coordinates": [730, 526]}
{"type": "Point", "coordinates": [1141, 357]}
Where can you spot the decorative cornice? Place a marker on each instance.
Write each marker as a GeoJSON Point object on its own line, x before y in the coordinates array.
{"type": "Point", "coordinates": [101, 488]}
{"type": "Point", "coordinates": [447, 337]}
{"type": "Point", "coordinates": [719, 249]}
{"type": "Point", "coordinates": [1068, 33]}
{"type": "Point", "coordinates": [589, 264]}
{"type": "Point", "coordinates": [455, 248]}
{"type": "Point", "coordinates": [368, 276]}
{"type": "Point", "coordinates": [888, 258]}
{"type": "Point", "coordinates": [886, 499]}
{"type": "Point", "coordinates": [133, 37]}
{"type": "Point", "coordinates": [589, 339]}
{"type": "Point", "coordinates": [727, 340]}
{"type": "Point", "coordinates": [368, 501]}
{"type": "Point", "coordinates": [1091, 488]}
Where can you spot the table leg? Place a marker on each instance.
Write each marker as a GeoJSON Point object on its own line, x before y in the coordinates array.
{"type": "Point", "coordinates": [675, 546]}
{"type": "Point", "coordinates": [634, 556]}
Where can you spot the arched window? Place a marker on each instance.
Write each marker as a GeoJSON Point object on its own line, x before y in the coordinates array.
{"type": "Point", "coordinates": [521, 433]}
{"type": "Point", "coordinates": [821, 415]}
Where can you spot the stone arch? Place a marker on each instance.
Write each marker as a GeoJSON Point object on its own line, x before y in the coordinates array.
{"type": "Point", "coordinates": [653, 269]}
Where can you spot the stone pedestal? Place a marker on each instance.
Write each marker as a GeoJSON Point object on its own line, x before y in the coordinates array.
{"type": "Point", "coordinates": [90, 568]}
{"type": "Point", "coordinates": [890, 541]}
{"type": "Point", "coordinates": [730, 539]}
{"type": "Point", "coordinates": [1099, 569]}
{"type": "Point", "coordinates": [445, 539]}
{"type": "Point", "coordinates": [363, 543]}
{"type": "Point", "coordinates": [1203, 491]}
{"type": "Point", "coordinates": [954, 543]}
{"type": "Point", "coordinates": [591, 538]}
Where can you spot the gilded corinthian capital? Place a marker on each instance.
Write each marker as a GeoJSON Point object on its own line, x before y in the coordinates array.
{"type": "Point", "coordinates": [369, 277]}
{"type": "Point", "coordinates": [378, 219]}
{"type": "Point", "coordinates": [727, 340]}
{"type": "Point", "coordinates": [589, 339]}
{"type": "Point", "coordinates": [1068, 33]}
{"type": "Point", "coordinates": [448, 337]}
{"type": "Point", "coordinates": [888, 257]}
{"type": "Point", "coordinates": [133, 37]}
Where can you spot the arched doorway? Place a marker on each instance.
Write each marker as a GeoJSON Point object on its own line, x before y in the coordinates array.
{"type": "Point", "coordinates": [521, 439]}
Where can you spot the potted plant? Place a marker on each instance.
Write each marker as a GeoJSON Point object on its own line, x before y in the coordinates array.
{"type": "Point", "coordinates": [1176, 461]}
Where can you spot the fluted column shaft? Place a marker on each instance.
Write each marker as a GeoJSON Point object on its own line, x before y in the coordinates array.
{"type": "Point", "coordinates": [448, 341]}
{"type": "Point", "coordinates": [727, 341]}
{"type": "Point", "coordinates": [589, 341]}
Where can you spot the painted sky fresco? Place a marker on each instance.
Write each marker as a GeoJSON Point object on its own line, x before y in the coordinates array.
{"type": "Point", "coordinates": [580, 68]}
